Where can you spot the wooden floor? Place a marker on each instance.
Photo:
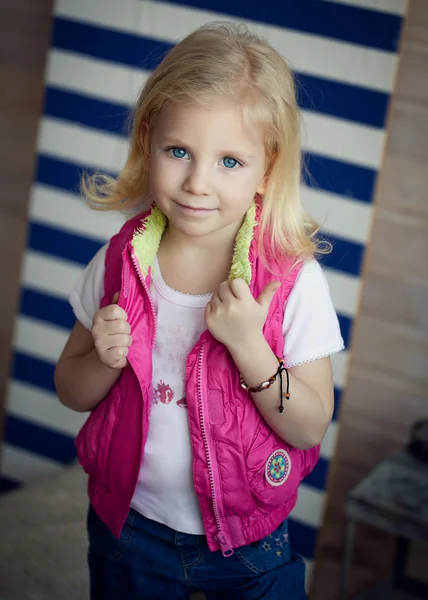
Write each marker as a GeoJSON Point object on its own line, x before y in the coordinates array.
{"type": "Point", "coordinates": [388, 378]}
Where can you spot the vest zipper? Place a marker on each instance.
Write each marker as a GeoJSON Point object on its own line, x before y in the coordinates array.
{"type": "Point", "coordinates": [146, 289]}
{"type": "Point", "coordinates": [225, 544]}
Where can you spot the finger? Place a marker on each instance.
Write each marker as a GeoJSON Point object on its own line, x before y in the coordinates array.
{"type": "Point", "coordinates": [115, 356]}
{"type": "Point", "coordinates": [224, 292]}
{"type": "Point", "coordinates": [110, 313]}
{"type": "Point", "coordinates": [268, 293]}
{"type": "Point", "coordinates": [115, 298]}
{"type": "Point", "coordinates": [240, 289]}
{"type": "Point", "coordinates": [215, 301]}
{"type": "Point", "coordinates": [116, 326]}
{"type": "Point", "coordinates": [208, 311]}
{"type": "Point", "coordinates": [117, 341]}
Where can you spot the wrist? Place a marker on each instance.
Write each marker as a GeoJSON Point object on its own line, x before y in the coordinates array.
{"type": "Point", "coordinates": [250, 345]}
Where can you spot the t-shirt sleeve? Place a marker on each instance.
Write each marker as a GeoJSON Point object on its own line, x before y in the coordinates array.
{"type": "Point", "coordinates": [88, 291]}
{"type": "Point", "coordinates": [311, 327]}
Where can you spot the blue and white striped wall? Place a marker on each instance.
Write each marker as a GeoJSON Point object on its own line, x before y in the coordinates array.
{"type": "Point", "coordinates": [345, 56]}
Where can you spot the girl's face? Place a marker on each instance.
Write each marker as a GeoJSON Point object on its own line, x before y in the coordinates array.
{"type": "Point", "coordinates": [205, 167]}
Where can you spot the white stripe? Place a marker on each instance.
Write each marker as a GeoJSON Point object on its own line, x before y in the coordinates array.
{"type": "Point", "coordinates": [39, 338]}
{"type": "Point", "coordinates": [93, 77]}
{"type": "Point", "coordinates": [309, 506]}
{"type": "Point", "coordinates": [339, 362]}
{"type": "Point", "coordinates": [42, 408]}
{"type": "Point", "coordinates": [393, 7]}
{"type": "Point", "coordinates": [24, 465]}
{"type": "Point", "coordinates": [57, 208]}
{"type": "Point", "coordinates": [335, 138]}
{"type": "Point", "coordinates": [328, 445]}
{"type": "Point", "coordinates": [344, 290]}
{"type": "Point", "coordinates": [342, 140]}
{"type": "Point", "coordinates": [48, 274]}
{"type": "Point", "coordinates": [46, 341]}
{"type": "Point", "coordinates": [339, 215]}
{"type": "Point", "coordinates": [308, 574]}
{"type": "Point", "coordinates": [315, 55]}
{"type": "Point", "coordinates": [81, 145]}
{"type": "Point", "coordinates": [55, 276]}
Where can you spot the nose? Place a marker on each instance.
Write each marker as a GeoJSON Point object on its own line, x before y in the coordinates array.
{"type": "Point", "coordinates": [197, 180]}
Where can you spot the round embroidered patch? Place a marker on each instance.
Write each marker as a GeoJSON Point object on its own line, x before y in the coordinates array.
{"type": "Point", "coordinates": [278, 467]}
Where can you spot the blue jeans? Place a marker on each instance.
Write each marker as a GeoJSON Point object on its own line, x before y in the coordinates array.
{"type": "Point", "coordinates": [153, 562]}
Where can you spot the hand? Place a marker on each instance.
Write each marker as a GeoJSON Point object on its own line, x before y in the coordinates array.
{"type": "Point", "coordinates": [234, 316]}
{"type": "Point", "coordinates": [111, 333]}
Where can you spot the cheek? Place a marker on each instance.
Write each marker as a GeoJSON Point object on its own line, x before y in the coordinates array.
{"type": "Point", "coordinates": [243, 186]}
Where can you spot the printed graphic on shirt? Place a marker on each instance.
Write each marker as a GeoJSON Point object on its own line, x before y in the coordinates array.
{"type": "Point", "coordinates": [163, 393]}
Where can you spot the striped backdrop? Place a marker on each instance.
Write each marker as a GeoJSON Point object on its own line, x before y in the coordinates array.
{"type": "Point", "coordinates": [344, 54]}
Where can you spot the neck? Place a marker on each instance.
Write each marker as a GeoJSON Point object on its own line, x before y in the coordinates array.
{"type": "Point", "coordinates": [218, 241]}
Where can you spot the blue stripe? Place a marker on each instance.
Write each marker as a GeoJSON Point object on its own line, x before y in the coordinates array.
{"type": "Point", "coordinates": [302, 538]}
{"type": "Point", "coordinates": [318, 477]}
{"type": "Point", "coordinates": [8, 485]}
{"type": "Point", "coordinates": [86, 111]}
{"type": "Point", "coordinates": [348, 23]}
{"type": "Point", "coordinates": [343, 179]}
{"type": "Point", "coordinates": [346, 256]}
{"type": "Point", "coordinates": [320, 172]}
{"type": "Point", "coordinates": [345, 328]}
{"type": "Point", "coordinates": [47, 308]}
{"type": "Point", "coordinates": [337, 399]}
{"type": "Point", "coordinates": [342, 100]}
{"type": "Point", "coordinates": [57, 242]}
{"type": "Point", "coordinates": [106, 44]}
{"type": "Point", "coordinates": [329, 175]}
{"type": "Point", "coordinates": [33, 370]}
{"type": "Point", "coordinates": [64, 175]}
{"type": "Point", "coordinates": [325, 97]}
{"type": "Point", "coordinates": [40, 440]}
{"type": "Point", "coordinates": [334, 98]}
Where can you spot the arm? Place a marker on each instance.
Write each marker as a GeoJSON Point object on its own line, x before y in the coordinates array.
{"type": "Point", "coordinates": [91, 362]}
{"type": "Point", "coordinates": [308, 412]}
{"type": "Point", "coordinates": [236, 319]}
{"type": "Point", "coordinates": [81, 379]}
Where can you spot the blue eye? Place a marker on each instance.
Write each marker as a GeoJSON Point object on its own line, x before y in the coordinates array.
{"type": "Point", "coordinates": [178, 152]}
{"type": "Point", "coordinates": [229, 163]}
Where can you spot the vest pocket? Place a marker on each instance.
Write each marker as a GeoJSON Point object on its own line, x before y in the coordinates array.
{"type": "Point", "coordinates": [93, 440]}
{"type": "Point", "coordinates": [274, 468]}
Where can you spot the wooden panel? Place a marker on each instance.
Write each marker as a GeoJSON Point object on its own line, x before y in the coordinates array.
{"type": "Point", "coordinates": [25, 34]}
{"type": "Point", "coordinates": [387, 385]}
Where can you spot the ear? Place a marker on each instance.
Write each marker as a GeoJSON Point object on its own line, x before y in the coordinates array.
{"type": "Point", "coordinates": [264, 182]}
{"type": "Point", "coordinates": [262, 186]}
{"type": "Point", "coordinates": [145, 143]}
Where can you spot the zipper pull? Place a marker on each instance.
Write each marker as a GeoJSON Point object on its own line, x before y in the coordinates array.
{"type": "Point", "coordinates": [225, 545]}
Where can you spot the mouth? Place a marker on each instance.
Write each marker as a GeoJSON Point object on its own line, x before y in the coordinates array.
{"type": "Point", "coordinates": [195, 209]}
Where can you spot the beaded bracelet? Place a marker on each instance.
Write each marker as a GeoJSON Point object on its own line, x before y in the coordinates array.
{"type": "Point", "coordinates": [266, 384]}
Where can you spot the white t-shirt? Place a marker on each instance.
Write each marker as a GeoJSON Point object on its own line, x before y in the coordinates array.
{"type": "Point", "coordinates": [164, 491]}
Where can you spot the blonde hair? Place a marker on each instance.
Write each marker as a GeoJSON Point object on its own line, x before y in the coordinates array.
{"type": "Point", "coordinates": [224, 62]}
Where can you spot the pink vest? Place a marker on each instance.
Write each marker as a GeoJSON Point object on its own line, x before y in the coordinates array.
{"type": "Point", "coordinates": [245, 476]}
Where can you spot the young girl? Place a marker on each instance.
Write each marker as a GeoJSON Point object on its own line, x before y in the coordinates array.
{"type": "Point", "coordinates": [203, 335]}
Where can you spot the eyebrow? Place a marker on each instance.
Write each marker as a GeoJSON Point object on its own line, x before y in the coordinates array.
{"type": "Point", "coordinates": [172, 141]}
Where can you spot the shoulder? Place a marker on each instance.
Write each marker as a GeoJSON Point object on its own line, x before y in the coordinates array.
{"type": "Point", "coordinates": [311, 274]}
{"type": "Point", "coordinates": [310, 289]}
{"type": "Point", "coordinates": [310, 326]}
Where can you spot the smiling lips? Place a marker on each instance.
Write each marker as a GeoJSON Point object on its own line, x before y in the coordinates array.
{"type": "Point", "coordinates": [195, 210]}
